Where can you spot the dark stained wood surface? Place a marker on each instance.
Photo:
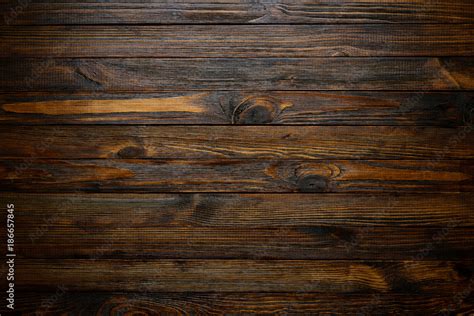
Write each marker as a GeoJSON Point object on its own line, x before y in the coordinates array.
{"type": "Point", "coordinates": [242, 303]}
{"type": "Point", "coordinates": [238, 41]}
{"type": "Point", "coordinates": [229, 175]}
{"type": "Point", "coordinates": [204, 74]}
{"type": "Point", "coordinates": [246, 276]}
{"type": "Point", "coordinates": [243, 210]}
{"type": "Point", "coordinates": [250, 226]}
{"type": "Point", "coordinates": [236, 142]}
{"type": "Point", "coordinates": [235, 11]}
{"type": "Point", "coordinates": [446, 109]}
{"type": "Point", "coordinates": [81, 240]}
{"type": "Point", "coordinates": [135, 147]}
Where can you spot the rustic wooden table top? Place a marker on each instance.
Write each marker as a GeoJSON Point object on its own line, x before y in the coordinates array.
{"type": "Point", "coordinates": [238, 157]}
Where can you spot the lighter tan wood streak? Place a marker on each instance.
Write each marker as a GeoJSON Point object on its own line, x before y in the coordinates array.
{"type": "Point", "coordinates": [70, 107]}
{"type": "Point", "coordinates": [387, 174]}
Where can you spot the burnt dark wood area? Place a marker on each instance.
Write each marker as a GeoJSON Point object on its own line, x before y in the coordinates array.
{"type": "Point", "coordinates": [239, 157]}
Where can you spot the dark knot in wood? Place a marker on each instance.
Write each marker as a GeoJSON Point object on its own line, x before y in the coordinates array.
{"type": "Point", "coordinates": [312, 183]}
{"type": "Point", "coordinates": [258, 110]}
{"type": "Point", "coordinates": [131, 152]}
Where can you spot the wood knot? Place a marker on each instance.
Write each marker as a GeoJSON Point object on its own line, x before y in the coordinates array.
{"type": "Point", "coordinates": [131, 152]}
{"type": "Point", "coordinates": [258, 110]}
{"type": "Point", "coordinates": [312, 183]}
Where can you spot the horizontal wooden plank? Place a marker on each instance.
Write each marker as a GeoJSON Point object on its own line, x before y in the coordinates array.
{"type": "Point", "coordinates": [257, 142]}
{"type": "Point", "coordinates": [149, 74]}
{"type": "Point", "coordinates": [246, 226]}
{"type": "Point", "coordinates": [238, 41]}
{"type": "Point", "coordinates": [227, 175]}
{"type": "Point", "coordinates": [271, 107]}
{"type": "Point", "coordinates": [120, 241]}
{"type": "Point", "coordinates": [66, 303]}
{"type": "Point", "coordinates": [234, 11]}
{"type": "Point", "coordinates": [244, 276]}
{"type": "Point", "coordinates": [241, 210]}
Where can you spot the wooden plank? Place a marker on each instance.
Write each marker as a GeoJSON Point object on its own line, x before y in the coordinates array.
{"type": "Point", "coordinates": [272, 107]}
{"type": "Point", "coordinates": [234, 11]}
{"type": "Point", "coordinates": [245, 276]}
{"type": "Point", "coordinates": [148, 74]}
{"type": "Point", "coordinates": [236, 142]}
{"type": "Point", "coordinates": [120, 241]}
{"type": "Point", "coordinates": [228, 175]}
{"type": "Point", "coordinates": [65, 303]}
{"type": "Point", "coordinates": [242, 210]}
{"type": "Point", "coordinates": [238, 41]}
{"type": "Point", "coordinates": [246, 226]}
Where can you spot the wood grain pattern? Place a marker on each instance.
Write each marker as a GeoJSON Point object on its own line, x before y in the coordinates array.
{"type": "Point", "coordinates": [245, 276]}
{"type": "Point", "coordinates": [125, 175]}
{"type": "Point", "coordinates": [239, 157]}
{"type": "Point", "coordinates": [197, 74]}
{"type": "Point", "coordinates": [243, 108]}
{"type": "Point", "coordinates": [246, 226]}
{"type": "Point", "coordinates": [242, 210]}
{"type": "Point", "coordinates": [238, 41]}
{"type": "Point", "coordinates": [199, 142]}
{"type": "Point", "coordinates": [119, 241]}
{"type": "Point", "coordinates": [95, 303]}
{"type": "Point", "coordinates": [234, 11]}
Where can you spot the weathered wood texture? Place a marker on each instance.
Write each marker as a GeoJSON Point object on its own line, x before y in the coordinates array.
{"type": "Point", "coordinates": [199, 142]}
{"type": "Point", "coordinates": [243, 303]}
{"type": "Point", "coordinates": [447, 109]}
{"type": "Point", "coordinates": [247, 226]}
{"type": "Point", "coordinates": [150, 74]}
{"type": "Point", "coordinates": [241, 210]}
{"type": "Point", "coordinates": [229, 175]}
{"type": "Point", "coordinates": [66, 303]}
{"type": "Point", "coordinates": [235, 11]}
{"type": "Point", "coordinates": [227, 219]}
{"type": "Point", "coordinates": [304, 242]}
{"type": "Point", "coordinates": [246, 276]}
{"type": "Point", "coordinates": [238, 41]}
